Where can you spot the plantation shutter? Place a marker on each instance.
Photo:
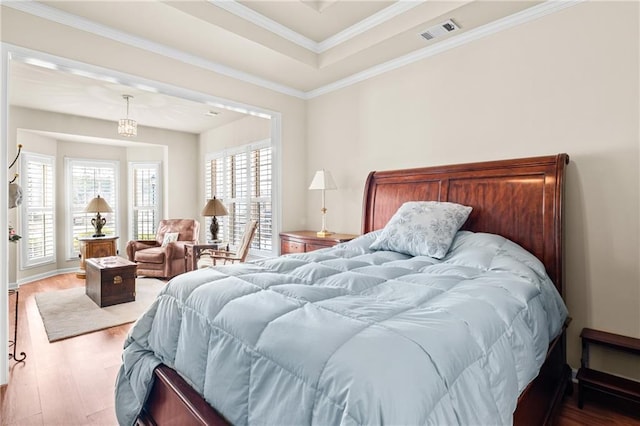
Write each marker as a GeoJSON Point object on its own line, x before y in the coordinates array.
{"type": "Point", "coordinates": [242, 179]}
{"type": "Point", "coordinates": [145, 200]}
{"type": "Point", "coordinates": [87, 179]}
{"type": "Point", "coordinates": [38, 208]}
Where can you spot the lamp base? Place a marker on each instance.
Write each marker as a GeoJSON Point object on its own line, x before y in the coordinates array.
{"type": "Point", "coordinates": [324, 233]}
{"type": "Point", "coordinates": [214, 229]}
{"type": "Point", "coordinates": [98, 222]}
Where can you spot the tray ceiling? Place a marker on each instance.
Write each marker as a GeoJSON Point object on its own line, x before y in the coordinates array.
{"type": "Point", "coordinates": [301, 47]}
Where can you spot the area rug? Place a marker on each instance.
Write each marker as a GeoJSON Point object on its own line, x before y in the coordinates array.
{"type": "Point", "coordinates": [69, 313]}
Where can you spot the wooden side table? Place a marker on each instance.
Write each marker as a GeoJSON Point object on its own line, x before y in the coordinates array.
{"type": "Point", "coordinates": [601, 381]}
{"type": "Point", "coordinates": [306, 241]}
{"type": "Point", "coordinates": [192, 253]}
{"type": "Point", "coordinates": [95, 247]}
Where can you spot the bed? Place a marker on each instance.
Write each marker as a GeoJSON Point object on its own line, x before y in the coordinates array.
{"type": "Point", "coordinates": [514, 201]}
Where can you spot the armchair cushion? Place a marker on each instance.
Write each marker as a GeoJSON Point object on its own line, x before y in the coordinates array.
{"type": "Point", "coordinates": [150, 255]}
{"type": "Point", "coordinates": [169, 237]}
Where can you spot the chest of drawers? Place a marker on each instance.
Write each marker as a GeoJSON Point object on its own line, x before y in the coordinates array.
{"type": "Point", "coordinates": [306, 241]}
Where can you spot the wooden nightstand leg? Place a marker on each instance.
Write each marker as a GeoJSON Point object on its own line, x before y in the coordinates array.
{"type": "Point", "coordinates": [580, 395]}
{"type": "Point", "coordinates": [584, 363]}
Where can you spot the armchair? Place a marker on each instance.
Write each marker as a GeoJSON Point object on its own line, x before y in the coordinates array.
{"type": "Point", "coordinates": [243, 248]}
{"type": "Point", "coordinates": [154, 259]}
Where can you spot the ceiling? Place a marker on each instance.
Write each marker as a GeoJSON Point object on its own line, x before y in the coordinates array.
{"type": "Point", "coordinates": [299, 47]}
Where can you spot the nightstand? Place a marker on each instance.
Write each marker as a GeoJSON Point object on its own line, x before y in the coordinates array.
{"type": "Point", "coordinates": [601, 381]}
{"type": "Point", "coordinates": [306, 241]}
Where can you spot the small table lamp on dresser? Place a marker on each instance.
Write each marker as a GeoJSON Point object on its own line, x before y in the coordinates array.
{"type": "Point", "coordinates": [323, 181]}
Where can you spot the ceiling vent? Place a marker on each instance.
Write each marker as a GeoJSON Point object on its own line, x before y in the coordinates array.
{"type": "Point", "coordinates": [439, 30]}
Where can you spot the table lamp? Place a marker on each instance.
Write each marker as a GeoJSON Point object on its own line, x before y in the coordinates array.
{"type": "Point", "coordinates": [214, 207]}
{"type": "Point", "coordinates": [324, 181]}
{"type": "Point", "coordinates": [98, 205]}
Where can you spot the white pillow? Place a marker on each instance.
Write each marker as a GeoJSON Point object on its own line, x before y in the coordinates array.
{"type": "Point", "coordinates": [170, 237]}
{"type": "Point", "coordinates": [422, 228]}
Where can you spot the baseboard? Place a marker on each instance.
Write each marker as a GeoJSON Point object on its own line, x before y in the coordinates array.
{"type": "Point", "coordinates": [42, 276]}
{"type": "Point", "coordinates": [573, 375]}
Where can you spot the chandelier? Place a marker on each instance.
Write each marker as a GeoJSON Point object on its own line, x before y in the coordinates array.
{"type": "Point", "coordinates": [126, 126]}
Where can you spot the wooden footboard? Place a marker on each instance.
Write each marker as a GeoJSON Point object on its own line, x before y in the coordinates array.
{"type": "Point", "coordinates": [173, 402]}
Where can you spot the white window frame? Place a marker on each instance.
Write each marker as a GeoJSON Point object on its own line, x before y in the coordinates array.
{"type": "Point", "coordinates": [26, 261]}
{"type": "Point", "coordinates": [68, 163]}
{"type": "Point", "coordinates": [133, 165]}
{"type": "Point", "coordinates": [224, 220]}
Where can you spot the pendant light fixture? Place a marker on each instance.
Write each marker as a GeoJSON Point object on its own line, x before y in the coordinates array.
{"type": "Point", "coordinates": [126, 126]}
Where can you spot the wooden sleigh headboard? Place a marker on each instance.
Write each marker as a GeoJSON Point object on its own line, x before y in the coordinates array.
{"type": "Point", "coordinates": [520, 199]}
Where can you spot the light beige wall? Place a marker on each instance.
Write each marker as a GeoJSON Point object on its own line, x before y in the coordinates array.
{"type": "Point", "coordinates": [31, 32]}
{"type": "Point", "coordinates": [240, 132]}
{"type": "Point", "coordinates": [178, 151]}
{"type": "Point", "coordinates": [544, 87]}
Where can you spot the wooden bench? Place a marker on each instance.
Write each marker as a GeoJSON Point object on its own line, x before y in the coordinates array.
{"type": "Point", "coordinates": [601, 381]}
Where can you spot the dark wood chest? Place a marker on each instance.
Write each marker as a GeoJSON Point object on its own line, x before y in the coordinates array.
{"type": "Point", "coordinates": [111, 280]}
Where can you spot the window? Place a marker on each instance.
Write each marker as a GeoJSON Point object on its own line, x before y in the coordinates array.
{"type": "Point", "coordinates": [85, 180]}
{"type": "Point", "coordinates": [144, 200]}
{"type": "Point", "coordinates": [242, 178]}
{"type": "Point", "coordinates": [38, 210]}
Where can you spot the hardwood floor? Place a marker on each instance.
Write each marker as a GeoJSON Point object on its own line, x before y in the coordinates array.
{"type": "Point", "coordinates": [71, 382]}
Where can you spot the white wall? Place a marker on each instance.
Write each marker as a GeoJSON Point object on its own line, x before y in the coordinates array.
{"type": "Point", "coordinates": [557, 84]}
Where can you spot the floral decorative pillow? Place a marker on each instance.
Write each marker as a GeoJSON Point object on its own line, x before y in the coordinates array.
{"type": "Point", "coordinates": [170, 237]}
{"type": "Point", "coordinates": [422, 228]}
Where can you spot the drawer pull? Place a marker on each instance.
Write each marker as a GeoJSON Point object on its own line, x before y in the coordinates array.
{"type": "Point", "coordinates": [117, 279]}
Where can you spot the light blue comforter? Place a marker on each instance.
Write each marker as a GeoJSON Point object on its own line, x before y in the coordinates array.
{"type": "Point", "coordinates": [347, 335]}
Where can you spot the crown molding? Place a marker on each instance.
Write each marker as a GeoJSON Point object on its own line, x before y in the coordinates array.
{"type": "Point", "coordinates": [478, 33]}
{"type": "Point", "coordinates": [248, 14]}
{"type": "Point", "coordinates": [366, 24]}
{"type": "Point", "coordinates": [244, 12]}
{"type": "Point", "coordinates": [66, 65]}
{"type": "Point", "coordinates": [77, 22]}
{"type": "Point", "coordinates": [527, 15]}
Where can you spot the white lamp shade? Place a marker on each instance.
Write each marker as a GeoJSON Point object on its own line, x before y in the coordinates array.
{"type": "Point", "coordinates": [323, 180]}
{"type": "Point", "coordinates": [98, 205]}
